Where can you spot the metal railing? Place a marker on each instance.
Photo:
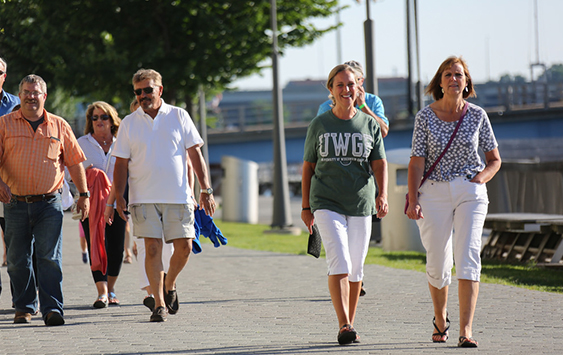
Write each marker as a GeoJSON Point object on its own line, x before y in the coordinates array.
{"type": "Point", "coordinates": [492, 97]}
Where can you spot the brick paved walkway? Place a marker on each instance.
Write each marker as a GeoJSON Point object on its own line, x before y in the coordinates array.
{"type": "Point", "coordinates": [236, 301]}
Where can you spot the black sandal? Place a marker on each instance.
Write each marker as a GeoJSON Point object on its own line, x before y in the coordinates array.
{"type": "Point", "coordinates": [346, 335]}
{"type": "Point", "coordinates": [439, 333]}
{"type": "Point", "coordinates": [465, 342]}
{"type": "Point", "coordinates": [362, 290]}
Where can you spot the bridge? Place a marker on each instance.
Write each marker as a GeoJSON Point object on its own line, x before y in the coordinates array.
{"type": "Point", "coordinates": [241, 122]}
{"type": "Point", "coordinates": [255, 142]}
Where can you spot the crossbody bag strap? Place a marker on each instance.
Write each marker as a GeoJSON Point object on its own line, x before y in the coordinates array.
{"type": "Point", "coordinates": [446, 148]}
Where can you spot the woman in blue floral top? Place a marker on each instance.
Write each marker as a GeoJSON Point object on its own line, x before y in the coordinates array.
{"type": "Point", "coordinates": [451, 206]}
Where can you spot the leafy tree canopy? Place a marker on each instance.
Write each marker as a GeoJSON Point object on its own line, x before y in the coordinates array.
{"type": "Point", "coordinates": [510, 79]}
{"type": "Point", "coordinates": [554, 73]}
{"type": "Point", "coordinates": [93, 47]}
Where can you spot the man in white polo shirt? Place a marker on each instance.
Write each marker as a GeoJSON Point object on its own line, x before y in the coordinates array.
{"type": "Point", "coordinates": [153, 145]}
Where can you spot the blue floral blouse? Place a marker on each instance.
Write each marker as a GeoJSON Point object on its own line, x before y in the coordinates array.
{"type": "Point", "coordinates": [431, 135]}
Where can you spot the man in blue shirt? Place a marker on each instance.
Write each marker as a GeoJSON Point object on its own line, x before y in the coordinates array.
{"type": "Point", "coordinates": [7, 101]}
{"type": "Point", "coordinates": [368, 103]}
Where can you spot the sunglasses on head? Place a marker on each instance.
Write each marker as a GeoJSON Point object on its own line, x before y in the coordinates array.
{"type": "Point", "coordinates": [147, 90]}
{"type": "Point", "coordinates": [103, 117]}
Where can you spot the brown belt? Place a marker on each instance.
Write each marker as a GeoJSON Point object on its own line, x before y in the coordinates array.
{"type": "Point", "coordinates": [36, 198]}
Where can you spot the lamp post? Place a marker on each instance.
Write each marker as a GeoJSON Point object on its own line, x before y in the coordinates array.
{"type": "Point", "coordinates": [338, 39]}
{"type": "Point", "coordinates": [370, 77]}
{"type": "Point", "coordinates": [203, 126]}
{"type": "Point", "coordinates": [203, 134]}
{"type": "Point", "coordinates": [281, 213]}
{"type": "Point", "coordinates": [419, 88]}
{"type": "Point", "coordinates": [412, 26]}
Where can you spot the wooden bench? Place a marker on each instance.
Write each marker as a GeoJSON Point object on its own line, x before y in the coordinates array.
{"type": "Point", "coordinates": [525, 237]}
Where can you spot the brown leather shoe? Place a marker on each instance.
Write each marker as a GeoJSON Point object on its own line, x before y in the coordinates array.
{"type": "Point", "coordinates": [54, 318]}
{"type": "Point", "coordinates": [22, 317]}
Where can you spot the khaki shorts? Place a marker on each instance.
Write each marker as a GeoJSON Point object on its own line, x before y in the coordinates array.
{"type": "Point", "coordinates": [155, 220]}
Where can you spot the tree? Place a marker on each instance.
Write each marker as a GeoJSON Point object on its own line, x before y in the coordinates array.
{"type": "Point", "coordinates": [93, 47]}
{"type": "Point", "coordinates": [510, 79]}
{"type": "Point", "coordinates": [505, 79]}
{"type": "Point", "coordinates": [554, 73]}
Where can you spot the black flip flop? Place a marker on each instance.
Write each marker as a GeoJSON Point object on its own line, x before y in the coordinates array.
{"type": "Point", "coordinates": [465, 342]}
{"type": "Point", "coordinates": [441, 333]}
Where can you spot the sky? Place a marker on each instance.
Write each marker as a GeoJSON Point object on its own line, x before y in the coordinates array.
{"type": "Point", "coordinates": [495, 37]}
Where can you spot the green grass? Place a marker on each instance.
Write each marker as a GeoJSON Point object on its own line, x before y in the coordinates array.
{"type": "Point", "coordinates": [248, 236]}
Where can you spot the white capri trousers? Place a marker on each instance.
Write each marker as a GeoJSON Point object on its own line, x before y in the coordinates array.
{"type": "Point", "coordinates": [346, 242]}
{"type": "Point", "coordinates": [454, 215]}
{"type": "Point", "coordinates": [167, 251]}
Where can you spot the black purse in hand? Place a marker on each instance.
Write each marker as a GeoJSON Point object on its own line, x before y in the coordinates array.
{"type": "Point", "coordinates": [314, 245]}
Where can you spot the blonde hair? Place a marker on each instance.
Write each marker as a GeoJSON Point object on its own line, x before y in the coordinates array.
{"type": "Point", "coordinates": [333, 73]}
{"type": "Point", "coordinates": [133, 105]}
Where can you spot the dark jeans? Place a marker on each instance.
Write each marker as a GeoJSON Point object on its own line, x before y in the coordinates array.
{"type": "Point", "coordinates": [2, 224]}
{"type": "Point", "coordinates": [115, 243]}
{"type": "Point", "coordinates": [35, 227]}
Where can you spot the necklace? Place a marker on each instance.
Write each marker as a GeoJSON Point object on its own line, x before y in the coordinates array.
{"type": "Point", "coordinates": [103, 141]}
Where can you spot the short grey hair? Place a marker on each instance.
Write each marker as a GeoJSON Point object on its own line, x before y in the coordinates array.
{"type": "Point", "coordinates": [357, 67]}
{"type": "Point", "coordinates": [3, 62]}
{"type": "Point", "coordinates": [143, 74]}
{"type": "Point", "coordinates": [34, 79]}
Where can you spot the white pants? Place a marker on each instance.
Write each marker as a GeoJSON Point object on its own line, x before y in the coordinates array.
{"type": "Point", "coordinates": [167, 251]}
{"type": "Point", "coordinates": [346, 242]}
{"type": "Point", "coordinates": [454, 213]}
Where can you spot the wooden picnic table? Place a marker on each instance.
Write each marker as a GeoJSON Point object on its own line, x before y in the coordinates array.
{"type": "Point", "coordinates": [524, 237]}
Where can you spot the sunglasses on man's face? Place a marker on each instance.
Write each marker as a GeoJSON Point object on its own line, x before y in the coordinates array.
{"type": "Point", "coordinates": [103, 117]}
{"type": "Point", "coordinates": [147, 90]}
{"type": "Point", "coordinates": [2, 72]}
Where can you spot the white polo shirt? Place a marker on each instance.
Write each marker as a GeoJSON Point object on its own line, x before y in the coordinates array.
{"type": "Point", "coordinates": [157, 153]}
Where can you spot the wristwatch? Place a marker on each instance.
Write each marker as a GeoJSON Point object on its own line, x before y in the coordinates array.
{"type": "Point", "coordinates": [208, 191]}
{"type": "Point", "coordinates": [85, 194]}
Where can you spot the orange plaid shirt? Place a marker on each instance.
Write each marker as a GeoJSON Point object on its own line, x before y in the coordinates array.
{"type": "Point", "coordinates": [32, 163]}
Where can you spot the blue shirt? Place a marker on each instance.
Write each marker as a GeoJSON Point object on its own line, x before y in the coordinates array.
{"type": "Point", "coordinates": [8, 103]}
{"type": "Point", "coordinates": [373, 102]}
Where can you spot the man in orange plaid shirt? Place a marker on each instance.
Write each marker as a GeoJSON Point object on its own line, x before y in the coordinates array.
{"type": "Point", "coordinates": [35, 146]}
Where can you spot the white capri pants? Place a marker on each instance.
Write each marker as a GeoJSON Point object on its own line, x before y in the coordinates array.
{"type": "Point", "coordinates": [454, 213]}
{"type": "Point", "coordinates": [346, 242]}
{"type": "Point", "coordinates": [167, 251]}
